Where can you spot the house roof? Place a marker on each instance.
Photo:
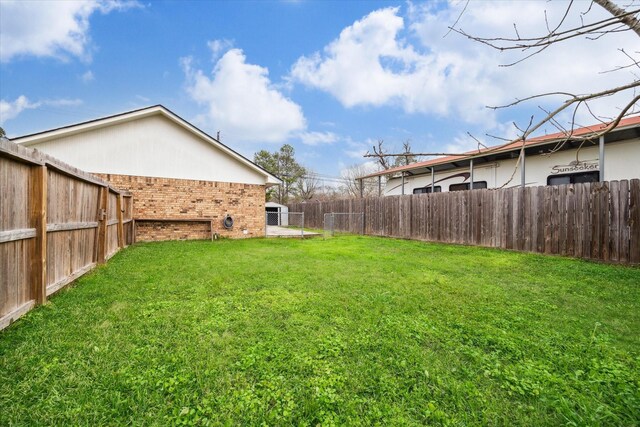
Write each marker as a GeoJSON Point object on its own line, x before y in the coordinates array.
{"type": "Point", "coordinates": [73, 129]}
{"type": "Point", "coordinates": [628, 122]}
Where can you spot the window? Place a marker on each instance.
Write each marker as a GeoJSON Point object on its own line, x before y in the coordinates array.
{"type": "Point", "coordinates": [421, 190]}
{"type": "Point", "coordinates": [465, 186]}
{"type": "Point", "coordinates": [574, 178]}
{"type": "Point", "coordinates": [459, 187]}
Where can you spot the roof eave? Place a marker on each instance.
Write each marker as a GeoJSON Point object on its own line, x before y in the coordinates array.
{"type": "Point", "coordinates": [31, 139]}
{"type": "Point", "coordinates": [532, 144]}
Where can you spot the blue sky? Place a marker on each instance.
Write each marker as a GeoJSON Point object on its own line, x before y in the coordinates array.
{"type": "Point", "coordinates": [331, 78]}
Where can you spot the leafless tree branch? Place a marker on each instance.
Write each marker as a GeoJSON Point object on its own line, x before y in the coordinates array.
{"type": "Point", "coordinates": [464, 9]}
{"type": "Point", "coordinates": [525, 43]}
{"type": "Point", "coordinates": [480, 144]}
{"type": "Point", "coordinates": [619, 21]}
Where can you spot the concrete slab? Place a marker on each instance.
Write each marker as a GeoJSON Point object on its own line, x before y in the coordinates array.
{"type": "Point", "coordinates": [277, 231]}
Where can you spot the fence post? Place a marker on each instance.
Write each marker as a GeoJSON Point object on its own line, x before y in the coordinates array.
{"type": "Point", "coordinates": [38, 207]}
{"type": "Point", "coordinates": [333, 220]}
{"type": "Point", "coordinates": [103, 199]}
{"type": "Point", "coordinates": [120, 221]}
{"type": "Point", "coordinates": [634, 221]}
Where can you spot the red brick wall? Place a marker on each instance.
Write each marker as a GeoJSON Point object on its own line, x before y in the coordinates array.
{"type": "Point", "coordinates": [169, 198]}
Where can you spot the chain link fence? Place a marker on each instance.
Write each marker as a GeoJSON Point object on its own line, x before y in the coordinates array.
{"type": "Point", "coordinates": [342, 222]}
{"type": "Point", "coordinates": [284, 224]}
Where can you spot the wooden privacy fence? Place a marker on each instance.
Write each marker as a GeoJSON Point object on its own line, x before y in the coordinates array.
{"type": "Point", "coordinates": [599, 221]}
{"type": "Point", "coordinates": [56, 223]}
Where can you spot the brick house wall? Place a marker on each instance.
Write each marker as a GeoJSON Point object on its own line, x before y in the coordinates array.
{"type": "Point", "coordinates": [183, 199]}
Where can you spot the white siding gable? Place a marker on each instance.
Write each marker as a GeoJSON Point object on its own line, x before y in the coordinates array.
{"type": "Point", "coordinates": [151, 146]}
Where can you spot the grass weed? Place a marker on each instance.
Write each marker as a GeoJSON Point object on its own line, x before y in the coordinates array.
{"type": "Point", "coordinates": [347, 331]}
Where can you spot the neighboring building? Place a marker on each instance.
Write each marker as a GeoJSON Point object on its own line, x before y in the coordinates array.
{"type": "Point", "coordinates": [549, 160]}
{"type": "Point", "coordinates": [184, 182]}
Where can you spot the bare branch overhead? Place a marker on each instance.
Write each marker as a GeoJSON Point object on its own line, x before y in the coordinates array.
{"type": "Point", "coordinates": [619, 20]}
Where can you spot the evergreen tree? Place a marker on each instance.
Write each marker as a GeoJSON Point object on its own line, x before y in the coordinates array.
{"type": "Point", "coordinates": [282, 164]}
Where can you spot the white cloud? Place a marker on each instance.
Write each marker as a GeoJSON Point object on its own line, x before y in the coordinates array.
{"type": "Point", "coordinates": [50, 28]}
{"type": "Point", "coordinates": [87, 77]}
{"type": "Point", "coordinates": [317, 138]}
{"type": "Point", "coordinates": [241, 101]}
{"type": "Point", "coordinates": [357, 149]}
{"type": "Point", "coordinates": [11, 109]}
{"type": "Point", "coordinates": [61, 102]}
{"type": "Point", "coordinates": [367, 64]}
{"type": "Point", "coordinates": [386, 59]}
{"type": "Point", "coordinates": [574, 66]}
{"type": "Point", "coordinates": [218, 47]}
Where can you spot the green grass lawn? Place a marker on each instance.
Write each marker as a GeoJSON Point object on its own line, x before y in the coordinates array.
{"type": "Point", "coordinates": [345, 331]}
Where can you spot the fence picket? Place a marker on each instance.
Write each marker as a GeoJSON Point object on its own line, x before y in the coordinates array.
{"type": "Point", "coordinates": [570, 209]}
{"type": "Point", "coordinates": [614, 218]}
{"type": "Point", "coordinates": [590, 220]}
{"type": "Point", "coordinates": [623, 222]}
{"type": "Point", "coordinates": [46, 242]}
{"type": "Point", "coordinates": [634, 221]}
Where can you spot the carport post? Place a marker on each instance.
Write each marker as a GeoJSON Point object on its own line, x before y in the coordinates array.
{"type": "Point", "coordinates": [601, 160]}
{"type": "Point", "coordinates": [522, 171]}
{"type": "Point", "coordinates": [433, 181]}
{"type": "Point", "coordinates": [471, 174]}
{"type": "Point", "coordinates": [402, 173]}
{"type": "Point", "coordinates": [361, 180]}
{"type": "Point", "coordinates": [379, 185]}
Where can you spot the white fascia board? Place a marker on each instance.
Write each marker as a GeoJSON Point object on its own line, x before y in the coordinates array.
{"type": "Point", "coordinates": [83, 127]}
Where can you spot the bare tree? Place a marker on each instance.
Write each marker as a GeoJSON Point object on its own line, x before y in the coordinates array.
{"type": "Point", "coordinates": [351, 182]}
{"type": "Point", "coordinates": [408, 157]}
{"type": "Point", "coordinates": [381, 155]}
{"type": "Point", "coordinates": [328, 193]}
{"type": "Point", "coordinates": [307, 186]}
{"type": "Point", "coordinates": [620, 20]}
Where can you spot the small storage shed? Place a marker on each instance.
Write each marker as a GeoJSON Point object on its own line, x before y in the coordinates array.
{"type": "Point", "coordinates": [185, 183]}
{"type": "Point", "coordinates": [277, 214]}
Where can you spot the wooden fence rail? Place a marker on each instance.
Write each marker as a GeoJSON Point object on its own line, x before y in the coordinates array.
{"type": "Point", "coordinates": [56, 223]}
{"type": "Point", "coordinates": [598, 221]}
